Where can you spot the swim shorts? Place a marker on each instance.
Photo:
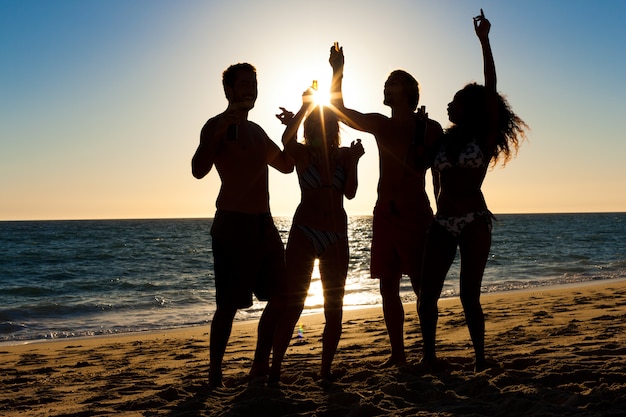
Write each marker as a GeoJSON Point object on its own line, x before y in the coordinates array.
{"type": "Point", "coordinates": [248, 257]}
{"type": "Point", "coordinates": [398, 241]}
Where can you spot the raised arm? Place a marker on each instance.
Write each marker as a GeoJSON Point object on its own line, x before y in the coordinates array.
{"type": "Point", "coordinates": [336, 61]}
{"type": "Point", "coordinates": [365, 122]}
{"type": "Point", "coordinates": [482, 27]}
{"type": "Point", "coordinates": [292, 122]}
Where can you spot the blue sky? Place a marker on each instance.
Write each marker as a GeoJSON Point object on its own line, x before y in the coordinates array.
{"type": "Point", "coordinates": [101, 102]}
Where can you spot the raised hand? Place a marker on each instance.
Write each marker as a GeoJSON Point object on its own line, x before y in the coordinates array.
{"type": "Point", "coordinates": [284, 116]}
{"type": "Point", "coordinates": [482, 25]}
{"type": "Point", "coordinates": [356, 149]}
{"type": "Point", "coordinates": [308, 98]}
{"type": "Point", "coordinates": [336, 58]}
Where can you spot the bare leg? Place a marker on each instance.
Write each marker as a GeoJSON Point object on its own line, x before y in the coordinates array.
{"type": "Point", "coordinates": [330, 338]}
{"type": "Point", "coordinates": [221, 326]}
{"type": "Point", "coordinates": [393, 312]}
{"type": "Point", "coordinates": [439, 255]}
{"type": "Point", "coordinates": [474, 247]}
{"type": "Point", "coordinates": [300, 259]}
{"type": "Point", "coordinates": [265, 337]}
{"type": "Point", "coordinates": [282, 337]}
{"type": "Point", "coordinates": [333, 271]}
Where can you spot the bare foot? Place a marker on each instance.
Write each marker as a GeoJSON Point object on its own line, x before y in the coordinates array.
{"type": "Point", "coordinates": [393, 361]}
{"type": "Point", "coordinates": [487, 364]}
{"type": "Point", "coordinates": [433, 364]}
{"type": "Point", "coordinates": [215, 381]}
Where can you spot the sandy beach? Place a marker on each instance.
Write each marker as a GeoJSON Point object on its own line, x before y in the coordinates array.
{"type": "Point", "coordinates": [563, 353]}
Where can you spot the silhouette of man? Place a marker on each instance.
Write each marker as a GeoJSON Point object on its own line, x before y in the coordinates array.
{"type": "Point", "coordinates": [247, 249]}
{"type": "Point", "coordinates": [402, 213]}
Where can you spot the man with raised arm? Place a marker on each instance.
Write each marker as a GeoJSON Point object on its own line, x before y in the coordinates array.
{"type": "Point", "coordinates": [402, 213]}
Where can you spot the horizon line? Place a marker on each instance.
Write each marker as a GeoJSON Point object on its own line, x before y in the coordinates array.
{"type": "Point", "coordinates": [281, 216]}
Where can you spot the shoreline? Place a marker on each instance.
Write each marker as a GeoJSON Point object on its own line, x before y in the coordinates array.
{"type": "Point", "coordinates": [253, 321]}
{"type": "Point", "coordinates": [563, 352]}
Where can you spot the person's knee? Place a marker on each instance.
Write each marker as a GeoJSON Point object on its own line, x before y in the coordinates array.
{"type": "Point", "coordinates": [416, 282]}
{"type": "Point", "coordinates": [334, 304]}
{"type": "Point", "coordinates": [389, 286]}
{"type": "Point", "coordinates": [470, 302]}
{"type": "Point", "coordinates": [333, 321]}
{"type": "Point", "coordinates": [297, 301]}
{"type": "Point", "coordinates": [426, 305]}
{"type": "Point", "coordinates": [224, 313]}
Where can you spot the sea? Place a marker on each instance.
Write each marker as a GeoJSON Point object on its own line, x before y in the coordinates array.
{"type": "Point", "coordinates": [82, 278]}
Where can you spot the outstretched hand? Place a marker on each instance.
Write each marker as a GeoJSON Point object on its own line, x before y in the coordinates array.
{"type": "Point", "coordinates": [482, 25]}
{"type": "Point", "coordinates": [336, 58]}
{"type": "Point", "coordinates": [284, 116]}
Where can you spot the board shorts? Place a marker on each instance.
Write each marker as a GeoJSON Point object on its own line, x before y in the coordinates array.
{"type": "Point", "coordinates": [398, 241]}
{"type": "Point", "coordinates": [248, 258]}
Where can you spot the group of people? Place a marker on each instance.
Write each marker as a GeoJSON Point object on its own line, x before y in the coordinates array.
{"type": "Point", "coordinates": [407, 237]}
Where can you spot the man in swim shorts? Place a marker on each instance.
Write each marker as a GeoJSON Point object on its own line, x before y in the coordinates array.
{"type": "Point", "coordinates": [402, 215]}
{"type": "Point", "coordinates": [247, 249]}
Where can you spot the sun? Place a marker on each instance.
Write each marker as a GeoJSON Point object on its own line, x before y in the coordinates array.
{"type": "Point", "coordinates": [320, 97]}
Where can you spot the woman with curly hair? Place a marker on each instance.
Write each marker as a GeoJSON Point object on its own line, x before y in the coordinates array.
{"type": "Point", "coordinates": [484, 131]}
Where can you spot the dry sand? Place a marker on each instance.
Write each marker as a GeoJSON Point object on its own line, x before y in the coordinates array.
{"type": "Point", "coordinates": [563, 353]}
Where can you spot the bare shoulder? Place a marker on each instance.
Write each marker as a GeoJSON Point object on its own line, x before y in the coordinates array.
{"type": "Point", "coordinates": [257, 128]}
{"type": "Point", "coordinates": [343, 152]}
{"type": "Point", "coordinates": [435, 125]}
{"type": "Point", "coordinates": [299, 152]}
{"type": "Point", "coordinates": [344, 156]}
{"type": "Point", "coordinates": [435, 131]}
{"type": "Point", "coordinates": [211, 122]}
{"type": "Point", "coordinates": [215, 119]}
{"type": "Point", "coordinates": [381, 121]}
{"type": "Point", "coordinates": [258, 134]}
{"type": "Point", "coordinates": [209, 128]}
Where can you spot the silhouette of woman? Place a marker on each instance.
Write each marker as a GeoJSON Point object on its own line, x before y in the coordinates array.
{"type": "Point", "coordinates": [483, 130]}
{"type": "Point", "coordinates": [326, 173]}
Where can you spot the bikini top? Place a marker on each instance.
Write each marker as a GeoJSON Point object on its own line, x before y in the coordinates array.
{"type": "Point", "coordinates": [310, 179]}
{"type": "Point", "coordinates": [470, 157]}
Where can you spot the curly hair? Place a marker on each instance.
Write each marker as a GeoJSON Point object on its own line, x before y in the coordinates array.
{"type": "Point", "coordinates": [476, 100]}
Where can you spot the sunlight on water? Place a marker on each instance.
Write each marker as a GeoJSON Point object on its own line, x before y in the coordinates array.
{"type": "Point", "coordinates": [315, 298]}
{"type": "Point", "coordinates": [360, 290]}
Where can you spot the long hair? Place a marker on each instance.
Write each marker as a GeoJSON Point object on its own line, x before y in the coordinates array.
{"type": "Point", "coordinates": [475, 101]}
{"type": "Point", "coordinates": [321, 129]}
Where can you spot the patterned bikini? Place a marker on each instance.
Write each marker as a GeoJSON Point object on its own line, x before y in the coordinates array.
{"type": "Point", "coordinates": [311, 179]}
{"type": "Point", "coordinates": [470, 157]}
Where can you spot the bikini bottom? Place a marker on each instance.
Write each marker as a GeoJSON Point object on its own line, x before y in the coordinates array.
{"type": "Point", "coordinates": [455, 225]}
{"type": "Point", "coordinates": [320, 239]}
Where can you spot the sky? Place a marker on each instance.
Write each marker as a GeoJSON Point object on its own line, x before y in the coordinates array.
{"type": "Point", "coordinates": [102, 102]}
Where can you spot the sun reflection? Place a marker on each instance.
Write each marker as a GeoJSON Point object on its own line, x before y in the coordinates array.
{"type": "Point", "coordinates": [315, 297]}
